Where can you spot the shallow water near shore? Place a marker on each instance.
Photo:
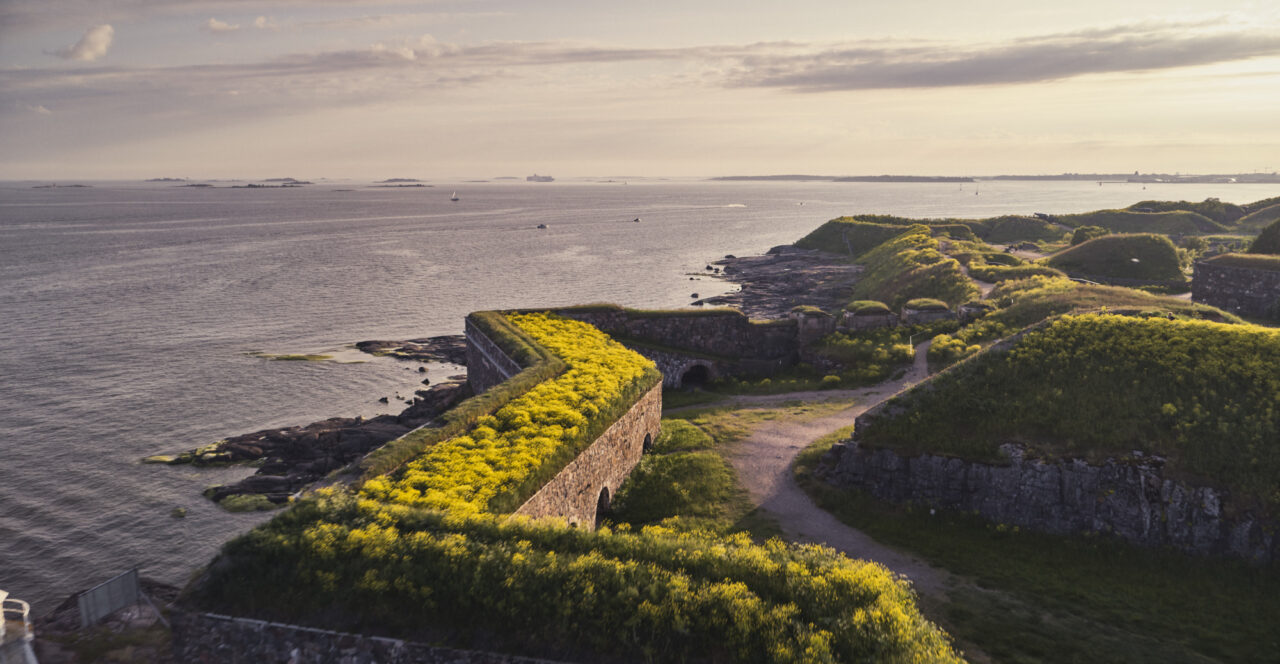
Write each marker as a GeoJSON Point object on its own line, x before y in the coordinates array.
{"type": "Point", "coordinates": [131, 312]}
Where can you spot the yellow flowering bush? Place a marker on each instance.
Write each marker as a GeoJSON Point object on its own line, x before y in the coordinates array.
{"type": "Point", "coordinates": [428, 552]}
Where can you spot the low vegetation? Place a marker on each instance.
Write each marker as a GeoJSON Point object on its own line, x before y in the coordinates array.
{"type": "Point", "coordinates": [1253, 261]}
{"type": "Point", "coordinates": [846, 235]}
{"type": "Point", "coordinates": [425, 554]}
{"type": "Point", "coordinates": [1226, 214]}
{"type": "Point", "coordinates": [1048, 590]}
{"type": "Point", "coordinates": [911, 266]}
{"type": "Point", "coordinates": [1261, 218]}
{"type": "Point", "coordinates": [1268, 241]}
{"type": "Point", "coordinates": [1145, 257]}
{"type": "Point", "coordinates": [1204, 395]}
{"type": "Point", "coordinates": [1182, 222]}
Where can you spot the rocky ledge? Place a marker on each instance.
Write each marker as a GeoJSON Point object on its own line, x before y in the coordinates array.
{"type": "Point", "coordinates": [451, 349]}
{"type": "Point", "coordinates": [785, 277]}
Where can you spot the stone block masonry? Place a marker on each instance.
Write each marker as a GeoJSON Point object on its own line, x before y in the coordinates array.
{"type": "Point", "coordinates": [1241, 290]}
{"type": "Point", "coordinates": [583, 490]}
{"type": "Point", "coordinates": [1129, 498]}
{"type": "Point", "coordinates": [487, 364]}
{"type": "Point", "coordinates": [205, 638]}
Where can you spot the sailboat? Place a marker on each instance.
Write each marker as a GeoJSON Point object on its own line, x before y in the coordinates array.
{"type": "Point", "coordinates": [454, 197]}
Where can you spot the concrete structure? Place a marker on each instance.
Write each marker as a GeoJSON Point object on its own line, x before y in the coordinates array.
{"type": "Point", "coordinates": [15, 631]}
{"type": "Point", "coordinates": [925, 316]}
{"type": "Point", "coordinates": [850, 320]}
{"type": "Point", "coordinates": [1241, 290]}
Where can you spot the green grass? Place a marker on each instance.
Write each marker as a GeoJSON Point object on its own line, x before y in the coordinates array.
{"type": "Point", "coordinates": [911, 266]}
{"type": "Point", "coordinates": [926, 304]}
{"type": "Point", "coordinates": [846, 235]}
{"type": "Point", "coordinates": [867, 307]}
{"type": "Point", "coordinates": [1223, 213]}
{"type": "Point", "coordinates": [247, 502]}
{"type": "Point", "coordinates": [1206, 396]}
{"type": "Point", "coordinates": [1029, 597]}
{"type": "Point", "coordinates": [1146, 257]}
{"type": "Point", "coordinates": [1268, 241]}
{"type": "Point", "coordinates": [1126, 221]}
{"type": "Point", "coordinates": [1252, 261]}
{"type": "Point", "coordinates": [995, 274]}
{"type": "Point", "coordinates": [1016, 228]}
{"type": "Point", "coordinates": [1260, 219]}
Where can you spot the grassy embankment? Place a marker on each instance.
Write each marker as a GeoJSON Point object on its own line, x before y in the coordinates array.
{"type": "Point", "coordinates": [1204, 395]}
{"type": "Point", "coordinates": [1268, 241]}
{"type": "Point", "coordinates": [427, 552]}
{"type": "Point", "coordinates": [1144, 257]}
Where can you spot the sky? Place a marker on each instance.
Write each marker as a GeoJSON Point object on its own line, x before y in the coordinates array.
{"type": "Point", "coordinates": [370, 89]}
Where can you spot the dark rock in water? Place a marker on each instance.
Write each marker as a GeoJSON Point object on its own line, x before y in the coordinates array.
{"type": "Point", "coordinates": [426, 381]}
{"type": "Point", "coordinates": [709, 268]}
{"type": "Point", "coordinates": [422, 370]}
{"type": "Point", "coordinates": [449, 348]}
{"type": "Point", "coordinates": [771, 284]}
{"type": "Point", "coordinates": [294, 457]}
{"type": "Point", "coordinates": [693, 295]}
{"type": "Point", "coordinates": [730, 256]}
{"type": "Point", "coordinates": [384, 400]}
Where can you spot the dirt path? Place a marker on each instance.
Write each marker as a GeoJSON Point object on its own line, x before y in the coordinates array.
{"type": "Point", "coordinates": [763, 462]}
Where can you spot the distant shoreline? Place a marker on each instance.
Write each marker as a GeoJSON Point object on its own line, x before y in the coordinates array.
{"type": "Point", "coordinates": [1162, 178]}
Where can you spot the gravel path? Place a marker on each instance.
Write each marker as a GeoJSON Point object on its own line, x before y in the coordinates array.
{"type": "Point", "coordinates": [763, 462]}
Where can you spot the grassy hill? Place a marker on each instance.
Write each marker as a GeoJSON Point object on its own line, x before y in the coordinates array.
{"type": "Point", "coordinates": [847, 235]}
{"type": "Point", "coordinates": [911, 266]}
{"type": "Point", "coordinates": [1260, 219]}
{"type": "Point", "coordinates": [1223, 213]}
{"type": "Point", "coordinates": [1179, 222]}
{"type": "Point", "coordinates": [1205, 395]}
{"type": "Point", "coordinates": [1146, 257]}
{"type": "Point", "coordinates": [1268, 241]}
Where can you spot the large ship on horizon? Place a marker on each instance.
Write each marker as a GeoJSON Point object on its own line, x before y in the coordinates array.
{"type": "Point", "coordinates": [540, 178]}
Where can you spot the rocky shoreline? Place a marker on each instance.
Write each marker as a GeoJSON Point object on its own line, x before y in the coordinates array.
{"type": "Point", "coordinates": [784, 277]}
{"type": "Point", "coordinates": [291, 458]}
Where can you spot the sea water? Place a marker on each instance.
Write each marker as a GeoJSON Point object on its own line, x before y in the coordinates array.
{"type": "Point", "coordinates": [131, 316]}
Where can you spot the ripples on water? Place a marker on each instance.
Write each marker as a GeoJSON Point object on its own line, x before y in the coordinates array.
{"type": "Point", "coordinates": [127, 312]}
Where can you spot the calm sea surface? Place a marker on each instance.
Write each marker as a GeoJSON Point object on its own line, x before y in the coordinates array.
{"type": "Point", "coordinates": [128, 312]}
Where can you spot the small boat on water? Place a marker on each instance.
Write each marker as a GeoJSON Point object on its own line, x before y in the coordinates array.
{"type": "Point", "coordinates": [454, 197]}
{"type": "Point", "coordinates": [542, 226]}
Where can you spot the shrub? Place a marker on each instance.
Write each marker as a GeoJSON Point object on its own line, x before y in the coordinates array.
{"type": "Point", "coordinates": [1086, 233]}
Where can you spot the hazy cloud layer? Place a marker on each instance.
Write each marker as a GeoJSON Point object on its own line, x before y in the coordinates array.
{"type": "Point", "coordinates": [1029, 60]}
{"type": "Point", "coordinates": [93, 45]}
{"type": "Point", "coordinates": [215, 26]}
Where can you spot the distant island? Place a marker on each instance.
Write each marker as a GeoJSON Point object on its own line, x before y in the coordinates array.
{"type": "Point", "coordinates": [166, 180]}
{"type": "Point", "coordinates": [399, 186]}
{"type": "Point", "coordinates": [540, 178]}
{"type": "Point", "coordinates": [1166, 178]}
{"type": "Point", "coordinates": [62, 186]}
{"type": "Point", "coordinates": [395, 180]}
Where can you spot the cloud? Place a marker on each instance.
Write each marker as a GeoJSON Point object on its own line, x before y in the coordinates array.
{"type": "Point", "coordinates": [215, 26]}
{"type": "Point", "coordinates": [92, 45]}
{"type": "Point", "coordinates": [264, 23]}
{"type": "Point", "coordinates": [1027, 60]}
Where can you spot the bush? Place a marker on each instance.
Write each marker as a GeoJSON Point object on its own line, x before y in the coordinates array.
{"type": "Point", "coordinates": [1086, 233]}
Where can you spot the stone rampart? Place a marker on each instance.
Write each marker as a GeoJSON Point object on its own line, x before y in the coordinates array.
{"type": "Point", "coordinates": [1240, 290]}
{"type": "Point", "coordinates": [724, 333]}
{"type": "Point", "coordinates": [206, 638]}
{"type": "Point", "coordinates": [487, 363]}
{"type": "Point", "coordinates": [1129, 497]}
{"type": "Point", "coordinates": [582, 491]}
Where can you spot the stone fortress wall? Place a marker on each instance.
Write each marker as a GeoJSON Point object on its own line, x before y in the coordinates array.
{"type": "Point", "coordinates": [1241, 290]}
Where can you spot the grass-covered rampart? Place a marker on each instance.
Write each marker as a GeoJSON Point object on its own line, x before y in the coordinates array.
{"type": "Point", "coordinates": [1143, 257]}
{"type": "Point", "coordinates": [1226, 214]}
{"type": "Point", "coordinates": [1179, 222]}
{"type": "Point", "coordinates": [425, 553]}
{"type": "Point", "coordinates": [1205, 395]}
{"type": "Point", "coordinates": [1260, 218]}
{"type": "Point", "coordinates": [1267, 262]}
{"type": "Point", "coordinates": [911, 266]}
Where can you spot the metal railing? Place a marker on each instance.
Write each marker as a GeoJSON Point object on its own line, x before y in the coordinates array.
{"type": "Point", "coordinates": [108, 597]}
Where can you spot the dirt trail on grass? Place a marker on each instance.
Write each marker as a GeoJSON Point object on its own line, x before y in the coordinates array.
{"type": "Point", "coordinates": [763, 462]}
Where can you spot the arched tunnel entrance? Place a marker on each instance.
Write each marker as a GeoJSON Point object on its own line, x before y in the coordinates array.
{"type": "Point", "coordinates": [696, 375]}
{"type": "Point", "coordinates": [602, 506]}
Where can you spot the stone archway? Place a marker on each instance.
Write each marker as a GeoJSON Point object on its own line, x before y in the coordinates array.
{"type": "Point", "coordinates": [696, 374]}
{"type": "Point", "coordinates": [648, 443]}
{"type": "Point", "coordinates": [602, 506]}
